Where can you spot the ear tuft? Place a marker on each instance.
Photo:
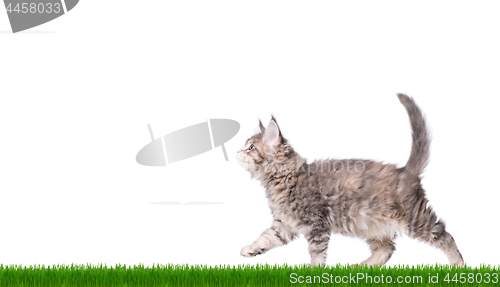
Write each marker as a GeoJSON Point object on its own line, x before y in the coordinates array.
{"type": "Point", "coordinates": [273, 119]}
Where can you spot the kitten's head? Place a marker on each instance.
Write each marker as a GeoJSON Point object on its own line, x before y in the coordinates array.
{"type": "Point", "coordinates": [266, 150]}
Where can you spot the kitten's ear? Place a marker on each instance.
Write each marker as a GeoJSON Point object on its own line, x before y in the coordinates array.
{"type": "Point", "coordinates": [261, 127]}
{"type": "Point", "coordinates": [273, 119]}
{"type": "Point", "coordinates": [272, 136]}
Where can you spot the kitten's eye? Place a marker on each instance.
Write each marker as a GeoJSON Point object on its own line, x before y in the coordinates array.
{"type": "Point", "coordinates": [250, 147]}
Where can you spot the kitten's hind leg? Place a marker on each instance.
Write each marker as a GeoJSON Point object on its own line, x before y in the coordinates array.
{"type": "Point", "coordinates": [438, 237]}
{"type": "Point", "coordinates": [424, 225]}
{"type": "Point", "coordinates": [381, 251]}
{"type": "Point", "coordinates": [277, 235]}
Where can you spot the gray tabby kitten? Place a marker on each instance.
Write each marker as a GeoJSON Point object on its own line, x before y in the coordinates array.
{"type": "Point", "coordinates": [362, 198]}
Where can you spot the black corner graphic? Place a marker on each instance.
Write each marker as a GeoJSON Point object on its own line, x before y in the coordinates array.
{"type": "Point", "coordinates": [26, 14]}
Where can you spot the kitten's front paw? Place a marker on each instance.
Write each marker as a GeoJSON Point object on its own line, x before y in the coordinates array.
{"type": "Point", "coordinates": [460, 263]}
{"type": "Point", "coordinates": [249, 251]}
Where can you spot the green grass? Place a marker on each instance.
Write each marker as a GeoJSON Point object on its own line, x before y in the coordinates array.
{"type": "Point", "coordinates": [248, 275]}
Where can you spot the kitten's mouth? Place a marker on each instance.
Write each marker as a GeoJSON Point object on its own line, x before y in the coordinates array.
{"type": "Point", "coordinates": [244, 164]}
{"type": "Point", "coordinates": [240, 161]}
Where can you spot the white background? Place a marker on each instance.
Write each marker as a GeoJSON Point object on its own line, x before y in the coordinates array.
{"type": "Point", "coordinates": [77, 93]}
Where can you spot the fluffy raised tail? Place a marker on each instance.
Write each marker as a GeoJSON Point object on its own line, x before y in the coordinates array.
{"type": "Point", "coordinates": [419, 156]}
